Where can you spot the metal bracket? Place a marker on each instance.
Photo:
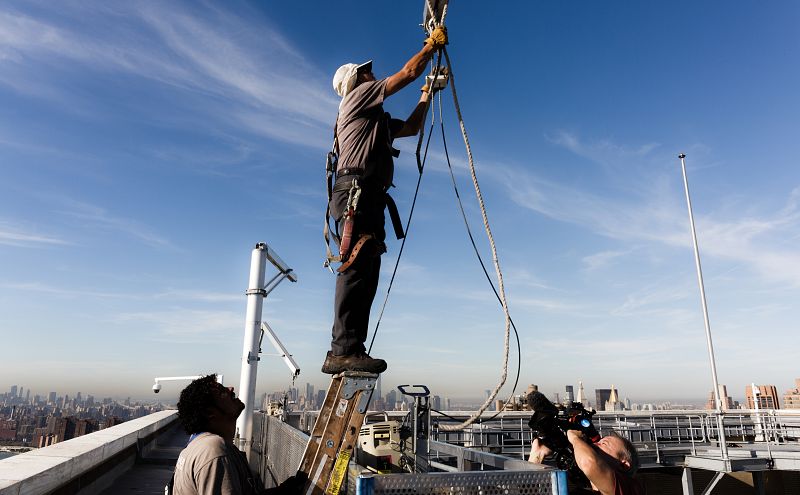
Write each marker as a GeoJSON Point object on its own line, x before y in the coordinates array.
{"type": "Point", "coordinates": [353, 384]}
{"type": "Point", "coordinates": [251, 357]}
{"type": "Point", "coordinates": [256, 292]}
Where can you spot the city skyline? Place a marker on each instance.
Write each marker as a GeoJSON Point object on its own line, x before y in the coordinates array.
{"type": "Point", "coordinates": [146, 147]}
{"type": "Point", "coordinates": [170, 397]}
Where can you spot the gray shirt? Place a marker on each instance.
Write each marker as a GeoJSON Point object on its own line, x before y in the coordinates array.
{"type": "Point", "coordinates": [210, 466]}
{"type": "Point", "coordinates": [364, 132]}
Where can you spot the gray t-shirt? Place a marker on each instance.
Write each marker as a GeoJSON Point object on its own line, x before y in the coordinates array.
{"type": "Point", "coordinates": [210, 466]}
{"type": "Point", "coordinates": [364, 132]}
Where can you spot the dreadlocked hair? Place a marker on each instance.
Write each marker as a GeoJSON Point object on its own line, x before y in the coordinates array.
{"type": "Point", "coordinates": [194, 403]}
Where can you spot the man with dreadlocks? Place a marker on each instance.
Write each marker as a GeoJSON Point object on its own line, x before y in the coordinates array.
{"type": "Point", "coordinates": [211, 464]}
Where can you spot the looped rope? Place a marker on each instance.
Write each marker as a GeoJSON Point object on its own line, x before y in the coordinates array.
{"type": "Point", "coordinates": [500, 292]}
{"type": "Point", "coordinates": [501, 288]}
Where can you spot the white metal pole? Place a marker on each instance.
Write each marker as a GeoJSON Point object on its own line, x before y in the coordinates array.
{"type": "Point", "coordinates": [252, 332]}
{"type": "Point", "coordinates": [715, 388]}
{"type": "Point", "coordinates": [758, 427]}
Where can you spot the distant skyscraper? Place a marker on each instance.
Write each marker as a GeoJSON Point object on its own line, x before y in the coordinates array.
{"type": "Point", "coordinates": [51, 398]}
{"type": "Point", "coordinates": [378, 388]}
{"type": "Point", "coordinates": [791, 399]}
{"type": "Point", "coordinates": [767, 397]}
{"type": "Point", "coordinates": [309, 395]}
{"type": "Point", "coordinates": [613, 403]}
{"type": "Point", "coordinates": [13, 391]}
{"type": "Point", "coordinates": [570, 396]}
{"type": "Point", "coordinates": [391, 400]}
{"type": "Point", "coordinates": [320, 398]}
{"type": "Point", "coordinates": [581, 394]}
{"type": "Point", "coordinates": [601, 396]}
{"type": "Point", "coordinates": [726, 402]}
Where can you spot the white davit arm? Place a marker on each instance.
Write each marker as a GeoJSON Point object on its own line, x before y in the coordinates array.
{"type": "Point", "coordinates": [282, 352]}
{"type": "Point", "coordinates": [159, 379]}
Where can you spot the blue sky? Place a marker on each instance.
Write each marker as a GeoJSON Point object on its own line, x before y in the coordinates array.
{"type": "Point", "coordinates": [145, 147]}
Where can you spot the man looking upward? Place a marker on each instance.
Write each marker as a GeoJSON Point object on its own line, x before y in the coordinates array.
{"type": "Point", "coordinates": [211, 464]}
{"type": "Point", "coordinates": [609, 464]}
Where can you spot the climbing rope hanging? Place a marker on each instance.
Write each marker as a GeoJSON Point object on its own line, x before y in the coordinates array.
{"type": "Point", "coordinates": [500, 290]}
{"type": "Point", "coordinates": [498, 272]}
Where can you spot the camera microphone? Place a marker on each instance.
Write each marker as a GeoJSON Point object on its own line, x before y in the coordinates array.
{"type": "Point", "coordinates": [540, 403]}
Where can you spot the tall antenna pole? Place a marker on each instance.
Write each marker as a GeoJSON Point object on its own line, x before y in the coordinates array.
{"type": "Point", "coordinates": [718, 403]}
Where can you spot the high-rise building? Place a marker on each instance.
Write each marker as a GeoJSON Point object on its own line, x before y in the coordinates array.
{"type": "Point", "coordinates": [51, 399]}
{"type": "Point", "coordinates": [391, 400]}
{"type": "Point", "coordinates": [725, 400]}
{"type": "Point", "coordinates": [601, 396]}
{"type": "Point", "coordinates": [791, 399]}
{"type": "Point", "coordinates": [581, 395]}
{"type": "Point", "coordinates": [570, 396]}
{"type": "Point", "coordinates": [310, 402]}
{"type": "Point", "coordinates": [613, 403]}
{"type": "Point", "coordinates": [13, 392]}
{"type": "Point", "coordinates": [767, 396]}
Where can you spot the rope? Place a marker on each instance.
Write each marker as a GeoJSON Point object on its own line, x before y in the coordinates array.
{"type": "Point", "coordinates": [500, 294]}
{"type": "Point", "coordinates": [498, 272]}
{"type": "Point", "coordinates": [420, 167]}
{"type": "Point", "coordinates": [480, 260]}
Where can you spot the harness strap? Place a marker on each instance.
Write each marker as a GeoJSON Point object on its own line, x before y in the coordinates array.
{"type": "Point", "coordinates": [397, 224]}
{"type": "Point", "coordinates": [379, 249]}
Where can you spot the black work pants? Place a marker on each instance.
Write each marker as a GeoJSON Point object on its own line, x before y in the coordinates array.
{"type": "Point", "coordinates": [356, 287]}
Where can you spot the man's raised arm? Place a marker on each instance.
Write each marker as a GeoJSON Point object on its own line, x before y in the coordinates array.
{"type": "Point", "coordinates": [416, 65]}
{"type": "Point", "coordinates": [591, 462]}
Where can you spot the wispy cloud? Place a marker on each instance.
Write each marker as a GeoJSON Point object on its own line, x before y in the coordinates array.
{"type": "Point", "coordinates": [166, 295]}
{"type": "Point", "coordinates": [98, 217]}
{"type": "Point", "coordinates": [655, 212]}
{"type": "Point", "coordinates": [14, 235]}
{"type": "Point", "coordinates": [185, 325]}
{"type": "Point", "coordinates": [197, 295]}
{"type": "Point", "coordinates": [603, 259]}
{"type": "Point", "coordinates": [600, 150]}
{"type": "Point", "coordinates": [53, 290]}
{"type": "Point", "coordinates": [250, 81]}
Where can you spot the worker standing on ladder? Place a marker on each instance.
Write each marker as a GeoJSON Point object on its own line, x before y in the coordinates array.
{"type": "Point", "coordinates": [363, 136]}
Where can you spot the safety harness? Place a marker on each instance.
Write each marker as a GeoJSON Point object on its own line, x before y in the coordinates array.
{"type": "Point", "coordinates": [347, 249]}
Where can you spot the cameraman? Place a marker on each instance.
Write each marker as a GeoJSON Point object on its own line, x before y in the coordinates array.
{"type": "Point", "coordinates": [609, 464]}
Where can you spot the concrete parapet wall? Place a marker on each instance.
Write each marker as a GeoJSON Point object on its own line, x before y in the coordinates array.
{"type": "Point", "coordinates": [75, 465]}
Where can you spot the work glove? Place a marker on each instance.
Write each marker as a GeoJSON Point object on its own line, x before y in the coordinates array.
{"type": "Point", "coordinates": [438, 38]}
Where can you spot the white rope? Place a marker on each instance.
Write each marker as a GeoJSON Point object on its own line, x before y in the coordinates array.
{"type": "Point", "coordinates": [434, 21]}
{"type": "Point", "coordinates": [500, 287]}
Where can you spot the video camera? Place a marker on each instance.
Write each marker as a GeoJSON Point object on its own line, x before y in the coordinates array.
{"type": "Point", "coordinates": [550, 423]}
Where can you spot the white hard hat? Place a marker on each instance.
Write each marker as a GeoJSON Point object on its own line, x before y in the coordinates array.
{"type": "Point", "coordinates": [345, 78]}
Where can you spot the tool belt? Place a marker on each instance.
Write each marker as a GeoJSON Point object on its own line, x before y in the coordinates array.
{"type": "Point", "coordinates": [366, 243]}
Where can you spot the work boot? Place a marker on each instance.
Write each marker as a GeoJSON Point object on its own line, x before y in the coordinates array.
{"type": "Point", "coordinates": [354, 362]}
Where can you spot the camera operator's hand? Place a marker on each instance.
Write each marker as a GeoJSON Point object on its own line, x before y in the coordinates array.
{"type": "Point", "coordinates": [538, 451]}
{"type": "Point", "coordinates": [572, 435]}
